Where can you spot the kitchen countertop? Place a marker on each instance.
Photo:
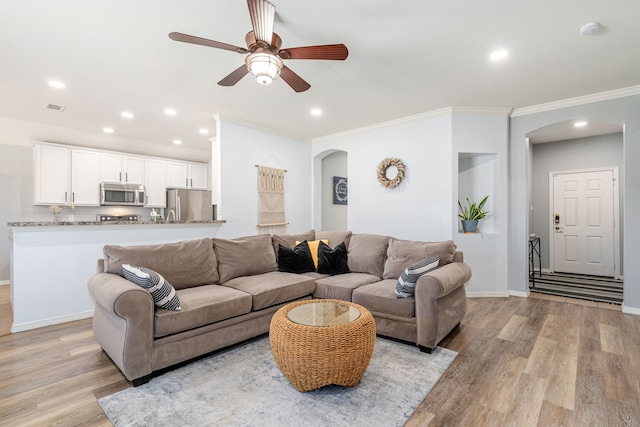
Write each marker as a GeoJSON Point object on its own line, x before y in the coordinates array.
{"type": "Point", "coordinates": [106, 223]}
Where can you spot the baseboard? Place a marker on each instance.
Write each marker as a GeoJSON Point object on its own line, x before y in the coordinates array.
{"type": "Point", "coordinates": [487, 294]}
{"type": "Point", "coordinates": [20, 327]}
{"type": "Point", "coordinates": [519, 294]}
{"type": "Point", "coordinates": [630, 310]}
{"type": "Point", "coordinates": [4, 282]}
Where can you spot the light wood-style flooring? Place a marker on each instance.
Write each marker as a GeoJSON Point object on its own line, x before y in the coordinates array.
{"type": "Point", "coordinates": [522, 362]}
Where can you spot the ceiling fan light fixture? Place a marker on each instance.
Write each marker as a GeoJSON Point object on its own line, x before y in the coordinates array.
{"type": "Point", "coordinates": [265, 66]}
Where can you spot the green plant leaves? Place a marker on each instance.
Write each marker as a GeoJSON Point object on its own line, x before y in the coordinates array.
{"type": "Point", "coordinates": [472, 210]}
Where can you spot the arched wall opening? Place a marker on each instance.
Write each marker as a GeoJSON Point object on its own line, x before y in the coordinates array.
{"type": "Point", "coordinates": [330, 192]}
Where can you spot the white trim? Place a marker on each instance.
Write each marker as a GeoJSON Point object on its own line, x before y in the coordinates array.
{"type": "Point", "coordinates": [20, 327]}
{"type": "Point", "coordinates": [579, 100]}
{"type": "Point", "coordinates": [447, 110]}
{"type": "Point", "coordinates": [4, 282]}
{"type": "Point", "coordinates": [616, 213]}
{"type": "Point", "coordinates": [487, 294]}
{"type": "Point", "coordinates": [428, 114]}
{"type": "Point", "coordinates": [630, 310]}
{"type": "Point", "coordinates": [519, 294]}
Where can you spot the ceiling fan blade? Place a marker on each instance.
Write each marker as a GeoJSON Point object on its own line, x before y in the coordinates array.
{"type": "Point", "coordinates": [328, 51]}
{"type": "Point", "coordinates": [262, 14]}
{"type": "Point", "coordinates": [235, 76]}
{"type": "Point", "coordinates": [186, 38]}
{"type": "Point", "coordinates": [292, 79]}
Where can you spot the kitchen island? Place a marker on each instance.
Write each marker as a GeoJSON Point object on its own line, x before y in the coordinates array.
{"type": "Point", "coordinates": [52, 262]}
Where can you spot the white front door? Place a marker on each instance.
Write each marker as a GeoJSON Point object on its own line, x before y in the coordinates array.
{"type": "Point", "coordinates": [582, 222]}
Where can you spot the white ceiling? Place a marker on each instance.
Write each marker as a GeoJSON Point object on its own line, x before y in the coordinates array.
{"type": "Point", "coordinates": [405, 58]}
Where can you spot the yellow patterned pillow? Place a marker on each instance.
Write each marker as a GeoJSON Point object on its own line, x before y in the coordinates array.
{"type": "Point", "coordinates": [313, 247]}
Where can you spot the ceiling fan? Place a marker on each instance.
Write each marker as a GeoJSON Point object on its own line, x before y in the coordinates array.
{"type": "Point", "coordinates": [265, 57]}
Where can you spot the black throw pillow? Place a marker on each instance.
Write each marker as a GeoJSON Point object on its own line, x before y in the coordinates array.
{"type": "Point", "coordinates": [297, 260]}
{"type": "Point", "coordinates": [332, 261]}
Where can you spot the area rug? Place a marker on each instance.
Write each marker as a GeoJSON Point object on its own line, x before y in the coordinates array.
{"type": "Point", "coordinates": [244, 387]}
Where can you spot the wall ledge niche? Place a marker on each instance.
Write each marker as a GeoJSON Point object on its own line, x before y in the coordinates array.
{"type": "Point", "coordinates": [478, 177]}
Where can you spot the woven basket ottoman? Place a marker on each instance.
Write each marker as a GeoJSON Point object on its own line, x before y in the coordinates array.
{"type": "Point", "coordinates": [330, 342]}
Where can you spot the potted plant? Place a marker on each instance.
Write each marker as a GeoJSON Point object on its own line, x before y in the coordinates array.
{"type": "Point", "coordinates": [471, 214]}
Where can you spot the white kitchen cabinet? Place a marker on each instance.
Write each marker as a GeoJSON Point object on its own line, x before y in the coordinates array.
{"type": "Point", "coordinates": [85, 178]}
{"type": "Point", "coordinates": [187, 175]}
{"type": "Point", "coordinates": [124, 169]}
{"type": "Point", "coordinates": [52, 175]}
{"type": "Point", "coordinates": [155, 182]}
{"type": "Point", "coordinates": [198, 175]}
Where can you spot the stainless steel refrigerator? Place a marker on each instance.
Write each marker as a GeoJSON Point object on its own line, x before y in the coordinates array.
{"type": "Point", "coordinates": [189, 205]}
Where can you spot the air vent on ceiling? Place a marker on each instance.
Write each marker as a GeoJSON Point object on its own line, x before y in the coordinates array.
{"type": "Point", "coordinates": [55, 107]}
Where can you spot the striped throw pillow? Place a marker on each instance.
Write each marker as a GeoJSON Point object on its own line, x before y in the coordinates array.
{"type": "Point", "coordinates": [406, 285]}
{"type": "Point", "coordinates": [163, 294]}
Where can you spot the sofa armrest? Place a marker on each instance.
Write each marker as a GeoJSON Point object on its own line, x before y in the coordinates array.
{"type": "Point", "coordinates": [440, 302]}
{"type": "Point", "coordinates": [123, 323]}
{"type": "Point", "coordinates": [444, 280]}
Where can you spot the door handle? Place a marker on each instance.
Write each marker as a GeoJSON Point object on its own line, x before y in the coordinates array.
{"type": "Point", "coordinates": [558, 229]}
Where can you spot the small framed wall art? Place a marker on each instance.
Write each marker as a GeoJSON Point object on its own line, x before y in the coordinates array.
{"type": "Point", "coordinates": [340, 190]}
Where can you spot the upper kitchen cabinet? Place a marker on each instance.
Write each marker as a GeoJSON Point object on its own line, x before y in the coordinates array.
{"type": "Point", "coordinates": [52, 175]}
{"type": "Point", "coordinates": [155, 182]}
{"type": "Point", "coordinates": [187, 175]}
{"type": "Point", "coordinates": [85, 178]}
{"type": "Point", "coordinates": [66, 175]}
{"type": "Point", "coordinates": [124, 169]}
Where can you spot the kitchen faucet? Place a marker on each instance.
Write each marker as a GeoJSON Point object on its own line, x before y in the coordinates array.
{"type": "Point", "coordinates": [170, 214]}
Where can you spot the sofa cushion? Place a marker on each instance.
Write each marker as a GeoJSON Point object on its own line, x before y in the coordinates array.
{"type": "Point", "coordinates": [184, 264]}
{"type": "Point", "coordinates": [406, 285]}
{"type": "Point", "coordinates": [297, 260]}
{"type": "Point", "coordinates": [244, 256]}
{"type": "Point", "coordinates": [289, 240]}
{"type": "Point", "coordinates": [402, 253]}
{"type": "Point", "coordinates": [332, 261]}
{"type": "Point", "coordinates": [367, 253]}
{"type": "Point", "coordinates": [163, 294]}
{"type": "Point", "coordinates": [202, 305]}
{"type": "Point", "coordinates": [334, 237]}
{"type": "Point", "coordinates": [380, 297]}
{"type": "Point", "coordinates": [341, 287]}
{"type": "Point", "coordinates": [273, 288]}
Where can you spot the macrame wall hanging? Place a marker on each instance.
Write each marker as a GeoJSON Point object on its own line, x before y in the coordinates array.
{"type": "Point", "coordinates": [271, 216]}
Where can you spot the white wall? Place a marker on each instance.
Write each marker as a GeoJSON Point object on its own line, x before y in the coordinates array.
{"type": "Point", "coordinates": [420, 208]}
{"type": "Point", "coordinates": [241, 149]}
{"type": "Point", "coordinates": [424, 206]}
{"type": "Point", "coordinates": [334, 217]}
{"type": "Point", "coordinates": [484, 133]}
{"type": "Point", "coordinates": [625, 109]}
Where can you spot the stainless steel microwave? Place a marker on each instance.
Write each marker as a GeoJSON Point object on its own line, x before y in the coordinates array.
{"type": "Point", "coordinates": [114, 194]}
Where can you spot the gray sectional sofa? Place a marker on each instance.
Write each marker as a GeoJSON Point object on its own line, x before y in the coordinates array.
{"type": "Point", "coordinates": [230, 288]}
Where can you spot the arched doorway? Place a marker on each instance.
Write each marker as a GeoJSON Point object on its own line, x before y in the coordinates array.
{"type": "Point", "coordinates": [331, 190]}
{"type": "Point", "coordinates": [579, 238]}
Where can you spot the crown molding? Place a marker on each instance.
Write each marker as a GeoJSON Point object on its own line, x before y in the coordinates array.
{"type": "Point", "coordinates": [428, 114]}
{"type": "Point", "coordinates": [579, 100]}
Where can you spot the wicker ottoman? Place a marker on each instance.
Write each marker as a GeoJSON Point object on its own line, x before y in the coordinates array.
{"type": "Point", "coordinates": [330, 342]}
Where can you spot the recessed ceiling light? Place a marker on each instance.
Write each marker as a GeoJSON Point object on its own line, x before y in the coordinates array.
{"type": "Point", "coordinates": [107, 130]}
{"type": "Point", "coordinates": [177, 141]}
{"type": "Point", "coordinates": [127, 114]}
{"type": "Point", "coordinates": [316, 112]}
{"type": "Point", "coordinates": [499, 55]}
{"type": "Point", "coordinates": [580, 124]}
{"type": "Point", "coordinates": [170, 111]}
{"type": "Point", "coordinates": [204, 131]}
{"type": "Point", "coordinates": [589, 29]}
{"type": "Point", "coordinates": [57, 84]}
